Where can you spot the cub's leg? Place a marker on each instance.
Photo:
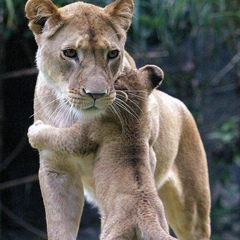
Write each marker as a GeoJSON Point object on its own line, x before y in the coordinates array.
{"type": "Point", "coordinates": [186, 195]}
{"type": "Point", "coordinates": [129, 204]}
{"type": "Point", "coordinates": [62, 193]}
{"type": "Point", "coordinates": [68, 141]}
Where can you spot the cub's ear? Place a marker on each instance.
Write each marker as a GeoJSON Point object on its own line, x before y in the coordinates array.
{"type": "Point", "coordinates": [39, 12]}
{"type": "Point", "coordinates": [121, 11]}
{"type": "Point", "coordinates": [153, 76]}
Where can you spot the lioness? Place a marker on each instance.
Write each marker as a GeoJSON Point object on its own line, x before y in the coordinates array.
{"type": "Point", "coordinates": [80, 56]}
{"type": "Point", "coordinates": [124, 146]}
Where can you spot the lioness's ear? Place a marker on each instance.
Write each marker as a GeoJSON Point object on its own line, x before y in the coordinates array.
{"type": "Point", "coordinates": [121, 11]}
{"type": "Point", "coordinates": [153, 76]}
{"type": "Point", "coordinates": [39, 12]}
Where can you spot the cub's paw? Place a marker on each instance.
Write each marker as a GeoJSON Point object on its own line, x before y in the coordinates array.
{"type": "Point", "coordinates": [37, 133]}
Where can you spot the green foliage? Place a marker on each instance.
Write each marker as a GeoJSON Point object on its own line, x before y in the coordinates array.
{"type": "Point", "coordinates": [226, 210]}
{"type": "Point", "coordinates": [11, 12]}
{"type": "Point", "coordinates": [226, 194]}
{"type": "Point", "coordinates": [228, 140]}
{"type": "Point", "coordinates": [12, 17]}
{"type": "Point", "coordinates": [172, 20]}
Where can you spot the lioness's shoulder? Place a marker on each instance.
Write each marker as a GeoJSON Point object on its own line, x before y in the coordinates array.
{"type": "Point", "coordinates": [168, 101]}
{"type": "Point", "coordinates": [171, 107]}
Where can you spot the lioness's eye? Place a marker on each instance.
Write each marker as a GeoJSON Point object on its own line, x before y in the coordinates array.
{"type": "Point", "coordinates": [70, 53]}
{"type": "Point", "coordinates": [113, 54]}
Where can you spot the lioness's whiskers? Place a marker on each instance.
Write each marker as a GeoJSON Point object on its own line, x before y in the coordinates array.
{"type": "Point", "coordinates": [133, 93]}
{"type": "Point", "coordinates": [133, 102]}
{"type": "Point", "coordinates": [67, 112]}
{"type": "Point", "coordinates": [43, 96]}
{"type": "Point", "coordinates": [52, 102]}
{"type": "Point", "coordinates": [133, 90]}
{"type": "Point", "coordinates": [50, 95]}
{"type": "Point", "coordinates": [69, 116]}
{"type": "Point", "coordinates": [56, 112]}
{"type": "Point", "coordinates": [126, 107]}
{"type": "Point", "coordinates": [116, 110]}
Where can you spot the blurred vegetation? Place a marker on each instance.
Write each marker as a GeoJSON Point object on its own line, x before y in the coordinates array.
{"type": "Point", "coordinates": [197, 43]}
{"type": "Point", "coordinates": [172, 21]}
{"type": "Point", "coordinates": [226, 160]}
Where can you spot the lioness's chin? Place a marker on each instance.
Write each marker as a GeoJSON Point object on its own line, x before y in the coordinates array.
{"type": "Point", "coordinates": [90, 113]}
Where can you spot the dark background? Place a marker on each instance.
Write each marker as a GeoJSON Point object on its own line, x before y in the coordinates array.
{"type": "Point", "coordinates": [196, 43]}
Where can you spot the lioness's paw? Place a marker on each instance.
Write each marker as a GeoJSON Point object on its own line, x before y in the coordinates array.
{"type": "Point", "coordinates": [36, 134]}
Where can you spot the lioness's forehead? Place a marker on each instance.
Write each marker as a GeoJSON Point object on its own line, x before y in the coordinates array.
{"type": "Point", "coordinates": [86, 17]}
{"type": "Point", "coordinates": [88, 24]}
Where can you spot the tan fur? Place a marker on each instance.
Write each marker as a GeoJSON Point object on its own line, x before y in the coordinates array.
{"type": "Point", "coordinates": [124, 146]}
{"type": "Point", "coordinates": [84, 88]}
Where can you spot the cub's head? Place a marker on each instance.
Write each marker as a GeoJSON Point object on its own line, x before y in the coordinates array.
{"type": "Point", "coordinates": [133, 88]}
{"type": "Point", "coordinates": [144, 79]}
{"type": "Point", "coordinates": [138, 84]}
{"type": "Point", "coordinates": [81, 50]}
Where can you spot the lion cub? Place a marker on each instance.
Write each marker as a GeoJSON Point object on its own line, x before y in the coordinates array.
{"type": "Point", "coordinates": [130, 207]}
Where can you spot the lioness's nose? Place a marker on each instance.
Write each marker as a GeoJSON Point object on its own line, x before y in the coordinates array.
{"type": "Point", "coordinates": [95, 95]}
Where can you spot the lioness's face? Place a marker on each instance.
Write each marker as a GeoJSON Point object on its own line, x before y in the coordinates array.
{"type": "Point", "coordinates": [83, 62]}
{"type": "Point", "coordinates": [81, 50]}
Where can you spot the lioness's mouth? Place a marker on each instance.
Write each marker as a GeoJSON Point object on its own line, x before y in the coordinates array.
{"type": "Point", "coordinates": [93, 108]}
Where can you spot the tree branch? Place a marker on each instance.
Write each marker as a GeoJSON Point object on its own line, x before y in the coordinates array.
{"type": "Point", "coordinates": [20, 73]}
{"type": "Point", "coordinates": [226, 69]}
{"type": "Point", "coordinates": [17, 182]}
{"type": "Point", "coordinates": [22, 223]}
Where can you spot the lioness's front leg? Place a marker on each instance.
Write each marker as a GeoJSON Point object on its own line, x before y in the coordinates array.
{"type": "Point", "coordinates": [60, 179]}
{"type": "Point", "coordinates": [62, 193]}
